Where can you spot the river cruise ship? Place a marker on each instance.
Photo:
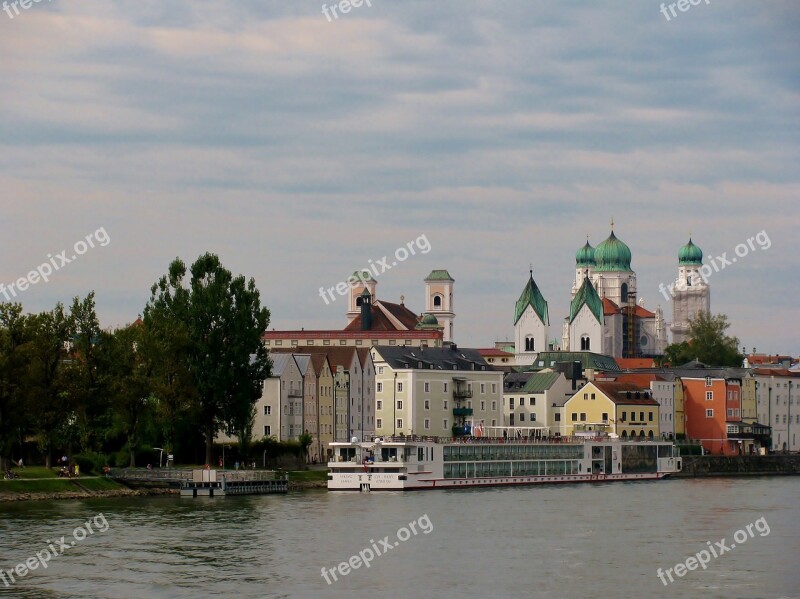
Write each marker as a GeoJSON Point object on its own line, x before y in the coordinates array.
{"type": "Point", "coordinates": [404, 462]}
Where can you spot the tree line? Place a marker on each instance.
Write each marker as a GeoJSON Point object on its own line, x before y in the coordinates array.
{"type": "Point", "coordinates": [191, 367]}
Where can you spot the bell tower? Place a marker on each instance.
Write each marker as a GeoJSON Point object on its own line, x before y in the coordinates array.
{"type": "Point", "coordinates": [439, 300]}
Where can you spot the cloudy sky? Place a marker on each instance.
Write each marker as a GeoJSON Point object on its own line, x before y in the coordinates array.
{"type": "Point", "coordinates": [298, 149]}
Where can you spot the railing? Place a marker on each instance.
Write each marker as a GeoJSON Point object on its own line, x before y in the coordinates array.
{"type": "Point", "coordinates": [500, 440]}
{"type": "Point", "coordinates": [462, 393]}
{"type": "Point", "coordinates": [462, 411]}
{"type": "Point", "coordinates": [157, 475]}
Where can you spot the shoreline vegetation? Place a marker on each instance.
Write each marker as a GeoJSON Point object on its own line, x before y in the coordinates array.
{"type": "Point", "coordinates": [42, 484]}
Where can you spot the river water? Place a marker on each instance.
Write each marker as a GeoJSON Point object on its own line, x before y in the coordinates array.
{"type": "Point", "coordinates": [560, 542]}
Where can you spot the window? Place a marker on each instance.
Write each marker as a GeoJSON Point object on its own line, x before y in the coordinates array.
{"type": "Point", "coordinates": [529, 346]}
{"type": "Point", "coordinates": [641, 416]}
{"type": "Point", "coordinates": [709, 413]}
{"type": "Point", "coordinates": [445, 404]}
{"type": "Point", "coordinates": [585, 396]}
{"type": "Point", "coordinates": [511, 402]}
{"type": "Point", "coordinates": [592, 395]}
{"type": "Point", "coordinates": [605, 416]}
{"type": "Point", "coordinates": [521, 401]}
{"type": "Point", "coordinates": [427, 404]}
{"type": "Point", "coordinates": [574, 417]}
{"type": "Point", "coordinates": [709, 396]}
{"type": "Point", "coordinates": [267, 430]}
{"type": "Point", "coordinates": [380, 387]}
{"type": "Point", "coordinates": [586, 343]}
{"type": "Point", "coordinates": [533, 417]}
{"type": "Point", "coordinates": [483, 388]}
{"type": "Point", "coordinates": [483, 407]}
{"type": "Point", "coordinates": [444, 424]}
{"type": "Point", "coordinates": [380, 369]}
{"type": "Point", "coordinates": [399, 404]}
{"type": "Point", "coordinates": [730, 412]}
{"type": "Point", "coordinates": [267, 410]}
{"type": "Point", "coordinates": [583, 416]}
{"type": "Point", "coordinates": [399, 423]}
{"type": "Point", "coordinates": [427, 426]}
{"type": "Point", "coordinates": [426, 387]}
{"type": "Point", "coordinates": [494, 407]}
{"type": "Point", "coordinates": [399, 387]}
{"type": "Point", "coordinates": [445, 387]}
{"type": "Point", "coordinates": [708, 381]}
{"type": "Point", "coordinates": [379, 423]}
{"type": "Point", "coordinates": [494, 387]}
{"type": "Point", "coordinates": [522, 417]}
{"type": "Point", "coordinates": [558, 417]}
{"type": "Point", "coordinates": [650, 416]}
{"type": "Point", "coordinates": [379, 405]}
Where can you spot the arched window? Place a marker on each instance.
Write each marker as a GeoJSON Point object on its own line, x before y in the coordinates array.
{"type": "Point", "coordinates": [358, 301]}
{"type": "Point", "coordinates": [529, 346]}
{"type": "Point", "coordinates": [624, 292]}
{"type": "Point", "coordinates": [624, 434]}
{"type": "Point", "coordinates": [586, 344]}
{"type": "Point", "coordinates": [437, 301]}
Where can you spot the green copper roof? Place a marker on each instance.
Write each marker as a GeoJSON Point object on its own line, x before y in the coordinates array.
{"type": "Point", "coordinates": [429, 319]}
{"type": "Point", "coordinates": [531, 296]}
{"type": "Point", "coordinates": [585, 256]}
{"type": "Point", "coordinates": [366, 293]}
{"type": "Point", "coordinates": [690, 255]}
{"type": "Point", "coordinates": [363, 275]}
{"type": "Point", "coordinates": [587, 294]}
{"type": "Point", "coordinates": [612, 255]}
{"type": "Point", "coordinates": [540, 382]}
{"type": "Point", "coordinates": [439, 275]}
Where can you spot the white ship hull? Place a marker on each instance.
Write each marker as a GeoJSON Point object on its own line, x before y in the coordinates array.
{"type": "Point", "coordinates": [422, 463]}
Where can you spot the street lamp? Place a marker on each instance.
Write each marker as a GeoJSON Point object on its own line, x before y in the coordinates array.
{"type": "Point", "coordinates": [160, 455]}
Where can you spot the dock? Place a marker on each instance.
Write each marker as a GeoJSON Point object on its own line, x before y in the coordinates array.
{"type": "Point", "coordinates": [213, 483]}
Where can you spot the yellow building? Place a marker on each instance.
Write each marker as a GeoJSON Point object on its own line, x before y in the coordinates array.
{"type": "Point", "coordinates": [749, 405]}
{"type": "Point", "coordinates": [617, 408]}
{"type": "Point", "coordinates": [325, 393]}
{"type": "Point", "coordinates": [680, 411]}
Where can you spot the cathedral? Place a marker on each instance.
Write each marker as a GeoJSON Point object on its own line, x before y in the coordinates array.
{"type": "Point", "coordinates": [604, 314]}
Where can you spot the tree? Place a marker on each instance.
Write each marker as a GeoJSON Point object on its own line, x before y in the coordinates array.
{"type": "Point", "coordinates": [47, 402]}
{"type": "Point", "coordinates": [13, 339]}
{"type": "Point", "coordinates": [128, 384]}
{"type": "Point", "coordinates": [707, 343]}
{"type": "Point", "coordinates": [223, 321]}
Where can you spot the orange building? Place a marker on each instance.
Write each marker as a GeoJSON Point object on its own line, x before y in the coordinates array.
{"type": "Point", "coordinates": [713, 409]}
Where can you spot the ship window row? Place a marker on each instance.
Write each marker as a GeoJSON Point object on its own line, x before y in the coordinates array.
{"type": "Point", "coordinates": [467, 452]}
{"type": "Point", "coordinates": [526, 468]}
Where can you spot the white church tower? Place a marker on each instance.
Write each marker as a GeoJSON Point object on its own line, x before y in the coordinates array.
{"type": "Point", "coordinates": [439, 300]}
{"type": "Point", "coordinates": [690, 293]}
{"type": "Point", "coordinates": [531, 324]}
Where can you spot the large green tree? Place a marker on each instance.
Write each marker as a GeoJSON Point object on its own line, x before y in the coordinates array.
{"type": "Point", "coordinates": [48, 403]}
{"type": "Point", "coordinates": [14, 337]}
{"type": "Point", "coordinates": [708, 343]}
{"type": "Point", "coordinates": [222, 322]}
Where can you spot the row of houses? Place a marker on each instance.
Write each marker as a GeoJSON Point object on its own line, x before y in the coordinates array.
{"type": "Point", "coordinates": [337, 393]}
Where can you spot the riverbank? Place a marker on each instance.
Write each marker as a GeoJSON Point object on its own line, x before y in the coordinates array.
{"type": "Point", "coordinates": [59, 495]}
{"type": "Point", "coordinates": [716, 466]}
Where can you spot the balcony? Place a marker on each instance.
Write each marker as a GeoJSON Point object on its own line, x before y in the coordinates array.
{"type": "Point", "coordinates": [460, 431]}
{"type": "Point", "coordinates": [295, 393]}
{"type": "Point", "coordinates": [462, 411]}
{"type": "Point", "coordinates": [462, 393]}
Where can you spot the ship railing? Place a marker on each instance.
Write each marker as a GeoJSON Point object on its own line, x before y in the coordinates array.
{"type": "Point", "coordinates": [525, 440]}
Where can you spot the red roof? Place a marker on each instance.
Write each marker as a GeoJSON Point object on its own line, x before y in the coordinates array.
{"type": "Point", "coordinates": [775, 372]}
{"type": "Point", "coordinates": [634, 363]}
{"type": "Point", "coordinates": [640, 380]}
{"type": "Point", "coordinates": [491, 352]}
{"type": "Point", "coordinates": [617, 392]}
{"type": "Point", "coordinates": [347, 334]}
{"type": "Point", "coordinates": [609, 307]}
{"type": "Point", "coordinates": [381, 322]}
{"type": "Point", "coordinates": [767, 359]}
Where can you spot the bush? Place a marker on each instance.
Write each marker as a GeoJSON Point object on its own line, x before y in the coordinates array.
{"type": "Point", "coordinates": [90, 462]}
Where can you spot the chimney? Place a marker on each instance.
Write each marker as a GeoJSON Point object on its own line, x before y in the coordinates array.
{"type": "Point", "coordinates": [366, 311]}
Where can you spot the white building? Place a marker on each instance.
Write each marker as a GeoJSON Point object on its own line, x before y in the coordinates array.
{"type": "Point", "coordinates": [435, 391]}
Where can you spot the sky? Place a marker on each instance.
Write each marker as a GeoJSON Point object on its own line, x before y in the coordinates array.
{"type": "Point", "coordinates": [298, 147]}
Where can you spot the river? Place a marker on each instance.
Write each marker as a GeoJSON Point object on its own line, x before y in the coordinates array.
{"type": "Point", "coordinates": [559, 542]}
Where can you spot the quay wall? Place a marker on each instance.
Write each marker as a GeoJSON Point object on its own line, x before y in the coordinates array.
{"type": "Point", "coordinates": [697, 466]}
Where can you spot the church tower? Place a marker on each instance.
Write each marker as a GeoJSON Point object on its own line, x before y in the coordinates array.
{"type": "Point", "coordinates": [584, 265]}
{"type": "Point", "coordinates": [690, 293]}
{"type": "Point", "coordinates": [358, 282]}
{"type": "Point", "coordinates": [439, 300]}
{"type": "Point", "coordinates": [531, 322]}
